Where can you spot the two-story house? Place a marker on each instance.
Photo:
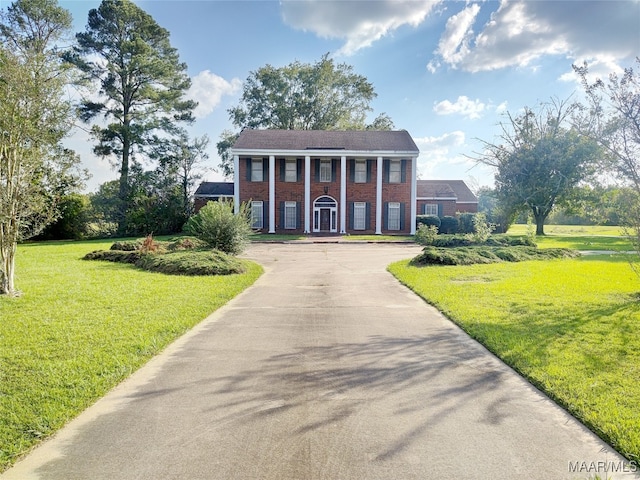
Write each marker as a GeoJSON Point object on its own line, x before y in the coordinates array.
{"type": "Point", "coordinates": [318, 181]}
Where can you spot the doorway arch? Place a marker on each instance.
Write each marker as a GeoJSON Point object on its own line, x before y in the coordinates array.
{"type": "Point", "coordinates": [325, 215]}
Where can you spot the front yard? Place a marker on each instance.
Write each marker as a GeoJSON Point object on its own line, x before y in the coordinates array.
{"type": "Point", "coordinates": [569, 326]}
{"type": "Point", "coordinates": [81, 327]}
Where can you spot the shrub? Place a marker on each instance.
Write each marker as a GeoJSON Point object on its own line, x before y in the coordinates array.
{"type": "Point", "coordinates": [425, 235]}
{"type": "Point", "coordinates": [481, 229]}
{"type": "Point", "coordinates": [119, 256]}
{"type": "Point", "coordinates": [484, 254]}
{"type": "Point", "coordinates": [465, 222]}
{"type": "Point", "coordinates": [203, 262]}
{"type": "Point", "coordinates": [221, 229]}
{"type": "Point", "coordinates": [428, 220]}
{"type": "Point", "coordinates": [127, 246]}
{"type": "Point", "coordinates": [448, 225]}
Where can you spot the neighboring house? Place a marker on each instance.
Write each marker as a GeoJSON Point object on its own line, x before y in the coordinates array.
{"type": "Point", "coordinates": [444, 197]}
{"type": "Point", "coordinates": [319, 181]}
{"type": "Point", "coordinates": [211, 192]}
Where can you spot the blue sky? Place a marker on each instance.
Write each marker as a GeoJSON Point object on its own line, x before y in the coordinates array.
{"type": "Point", "coordinates": [445, 71]}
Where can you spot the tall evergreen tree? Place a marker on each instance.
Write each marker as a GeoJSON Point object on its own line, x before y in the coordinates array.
{"type": "Point", "coordinates": [141, 80]}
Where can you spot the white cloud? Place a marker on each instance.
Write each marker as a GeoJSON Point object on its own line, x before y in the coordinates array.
{"type": "Point", "coordinates": [358, 23]}
{"type": "Point", "coordinates": [520, 32]}
{"type": "Point", "coordinates": [471, 109]}
{"type": "Point", "coordinates": [208, 88]}
{"type": "Point", "coordinates": [454, 43]}
{"type": "Point", "coordinates": [440, 151]}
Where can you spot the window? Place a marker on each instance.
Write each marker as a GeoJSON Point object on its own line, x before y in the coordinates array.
{"type": "Point", "coordinates": [290, 215]}
{"type": "Point", "coordinates": [394, 171]}
{"type": "Point", "coordinates": [393, 216]}
{"type": "Point", "coordinates": [431, 209]}
{"type": "Point", "coordinates": [291, 170]}
{"type": "Point", "coordinates": [256, 170]}
{"type": "Point", "coordinates": [325, 170]}
{"type": "Point", "coordinates": [359, 215]}
{"type": "Point", "coordinates": [256, 215]}
{"type": "Point", "coordinates": [361, 171]}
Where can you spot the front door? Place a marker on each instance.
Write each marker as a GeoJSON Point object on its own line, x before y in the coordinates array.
{"type": "Point", "coordinates": [325, 219]}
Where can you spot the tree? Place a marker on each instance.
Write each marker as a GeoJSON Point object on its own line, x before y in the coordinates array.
{"type": "Point", "coordinates": [613, 120]}
{"type": "Point", "coordinates": [540, 160]}
{"type": "Point", "coordinates": [34, 117]}
{"type": "Point", "coordinates": [301, 96]}
{"type": "Point", "coordinates": [141, 80]}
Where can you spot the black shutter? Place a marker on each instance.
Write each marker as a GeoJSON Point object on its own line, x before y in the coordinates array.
{"type": "Point", "coordinates": [334, 168]}
{"type": "Point", "coordinates": [385, 170]}
{"type": "Point", "coordinates": [369, 168]}
{"type": "Point", "coordinates": [248, 169]}
{"type": "Point", "coordinates": [403, 171]}
{"type": "Point", "coordinates": [385, 214]}
{"type": "Point", "coordinates": [265, 215]}
{"type": "Point", "coordinates": [282, 215]}
{"type": "Point", "coordinates": [299, 218]}
{"type": "Point", "coordinates": [367, 219]}
{"type": "Point", "coordinates": [440, 210]}
{"type": "Point", "coordinates": [352, 171]}
{"type": "Point", "coordinates": [299, 169]}
{"type": "Point", "coordinates": [317, 170]}
{"type": "Point", "coordinates": [351, 212]}
{"type": "Point", "coordinates": [265, 169]}
{"type": "Point", "coordinates": [283, 165]}
{"type": "Point", "coordinates": [402, 216]}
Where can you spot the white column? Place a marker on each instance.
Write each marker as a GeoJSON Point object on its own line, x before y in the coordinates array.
{"type": "Point", "coordinates": [236, 183]}
{"type": "Point", "coordinates": [272, 194]}
{"type": "Point", "coordinates": [414, 193]}
{"type": "Point", "coordinates": [379, 198]}
{"type": "Point", "coordinates": [343, 194]}
{"type": "Point", "coordinates": [307, 194]}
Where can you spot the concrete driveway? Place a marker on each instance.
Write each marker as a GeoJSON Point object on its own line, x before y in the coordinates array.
{"type": "Point", "coordinates": [327, 368]}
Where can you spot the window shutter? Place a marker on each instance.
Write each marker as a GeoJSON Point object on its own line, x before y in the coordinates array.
{"type": "Point", "coordinates": [248, 169]}
{"type": "Point", "coordinates": [403, 171]}
{"type": "Point", "coordinates": [334, 168]}
{"type": "Point", "coordinates": [351, 212]}
{"type": "Point", "coordinates": [402, 216]}
{"type": "Point", "coordinates": [440, 210]}
{"type": "Point", "coordinates": [281, 215]}
{"type": "Point", "coordinates": [369, 168]}
{"type": "Point", "coordinates": [299, 170]}
{"type": "Point", "coordinates": [265, 215]}
{"type": "Point", "coordinates": [385, 170]}
{"type": "Point", "coordinates": [265, 169]}
{"type": "Point", "coordinates": [367, 220]}
{"type": "Point", "coordinates": [299, 218]}
{"type": "Point", "coordinates": [352, 171]}
{"type": "Point", "coordinates": [283, 163]}
{"type": "Point", "coordinates": [316, 167]}
{"type": "Point", "coordinates": [386, 213]}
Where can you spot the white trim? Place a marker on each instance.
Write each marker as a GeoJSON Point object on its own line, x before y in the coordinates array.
{"type": "Point", "coordinates": [255, 203]}
{"type": "Point", "coordinates": [393, 206]}
{"type": "Point", "coordinates": [272, 194]}
{"type": "Point", "coordinates": [379, 197]}
{"type": "Point", "coordinates": [288, 206]}
{"type": "Point", "coordinates": [307, 193]}
{"type": "Point", "coordinates": [327, 153]}
{"type": "Point", "coordinates": [414, 193]}
{"type": "Point", "coordinates": [357, 206]}
{"type": "Point", "coordinates": [236, 184]}
{"type": "Point", "coordinates": [343, 194]}
{"type": "Point", "coordinates": [440, 198]}
{"type": "Point", "coordinates": [333, 212]}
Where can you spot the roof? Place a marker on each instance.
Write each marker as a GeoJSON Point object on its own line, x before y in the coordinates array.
{"type": "Point", "coordinates": [351, 140]}
{"type": "Point", "coordinates": [445, 189]}
{"type": "Point", "coordinates": [214, 189]}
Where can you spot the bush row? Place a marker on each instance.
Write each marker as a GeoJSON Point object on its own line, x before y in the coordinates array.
{"type": "Point", "coordinates": [485, 254]}
{"type": "Point", "coordinates": [462, 223]}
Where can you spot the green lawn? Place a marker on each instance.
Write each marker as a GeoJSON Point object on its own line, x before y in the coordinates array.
{"type": "Point", "coordinates": [81, 327]}
{"type": "Point", "coordinates": [579, 237]}
{"type": "Point", "coordinates": [570, 326]}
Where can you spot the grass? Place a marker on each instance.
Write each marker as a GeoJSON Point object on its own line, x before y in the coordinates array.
{"type": "Point", "coordinates": [579, 237]}
{"type": "Point", "coordinates": [82, 327]}
{"type": "Point", "coordinates": [569, 326]}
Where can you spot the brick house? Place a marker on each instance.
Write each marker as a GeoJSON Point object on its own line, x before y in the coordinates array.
{"type": "Point", "coordinates": [211, 192]}
{"type": "Point", "coordinates": [445, 197]}
{"type": "Point", "coordinates": [318, 181]}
